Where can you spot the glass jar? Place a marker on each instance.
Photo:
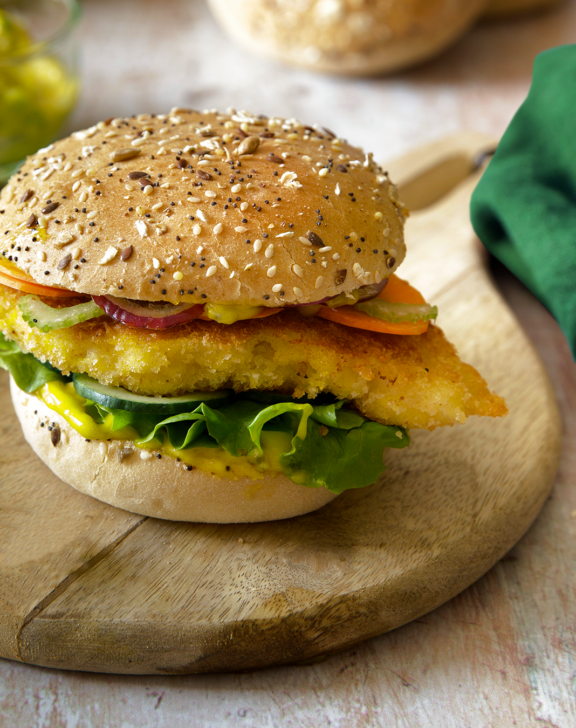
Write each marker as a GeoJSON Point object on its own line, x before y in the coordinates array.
{"type": "Point", "coordinates": [39, 75]}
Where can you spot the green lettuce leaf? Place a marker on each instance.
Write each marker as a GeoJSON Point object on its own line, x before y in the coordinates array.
{"type": "Point", "coordinates": [332, 445]}
{"type": "Point", "coordinates": [341, 459]}
{"type": "Point", "coordinates": [180, 433]}
{"type": "Point", "coordinates": [28, 373]}
{"type": "Point", "coordinates": [229, 425]}
{"type": "Point", "coordinates": [144, 424]}
{"type": "Point", "coordinates": [334, 416]}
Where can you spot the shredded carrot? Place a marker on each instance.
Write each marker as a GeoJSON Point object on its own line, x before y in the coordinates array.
{"type": "Point", "coordinates": [25, 283]}
{"type": "Point", "coordinates": [396, 291]}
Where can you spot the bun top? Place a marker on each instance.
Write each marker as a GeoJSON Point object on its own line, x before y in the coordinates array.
{"type": "Point", "coordinates": [203, 207]}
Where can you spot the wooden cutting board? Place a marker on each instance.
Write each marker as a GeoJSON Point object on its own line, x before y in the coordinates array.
{"type": "Point", "coordinates": [85, 586]}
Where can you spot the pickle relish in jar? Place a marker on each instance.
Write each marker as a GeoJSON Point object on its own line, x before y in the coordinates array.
{"type": "Point", "coordinates": [37, 93]}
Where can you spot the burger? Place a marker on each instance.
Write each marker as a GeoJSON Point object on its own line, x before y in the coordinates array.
{"type": "Point", "coordinates": [202, 320]}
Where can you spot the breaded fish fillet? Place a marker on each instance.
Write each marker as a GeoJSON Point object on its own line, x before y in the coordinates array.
{"type": "Point", "coordinates": [412, 381]}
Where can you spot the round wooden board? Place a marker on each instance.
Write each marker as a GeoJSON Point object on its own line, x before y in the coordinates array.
{"type": "Point", "coordinates": [84, 586]}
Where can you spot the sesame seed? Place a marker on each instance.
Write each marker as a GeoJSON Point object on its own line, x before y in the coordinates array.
{"type": "Point", "coordinates": [277, 288]}
{"type": "Point", "coordinates": [326, 249]}
{"type": "Point", "coordinates": [269, 251]}
{"type": "Point", "coordinates": [177, 276]}
{"type": "Point", "coordinates": [224, 262]}
{"type": "Point", "coordinates": [305, 241]}
{"type": "Point", "coordinates": [109, 255]}
{"type": "Point", "coordinates": [196, 229]}
{"type": "Point", "coordinates": [240, 229]}
{"type": "Point", "coordinates": [218, 228]}
{"type": "Point", "coordinates": [298, 292]}
{"type": "Point", "coordinates": [236, 188]}
{"type": "Point", "coordinates": [271, 272]}
{"type": "Point", "coordinates": [257, 246]}
{"type": "Point", "coordinates": [319, 282]}
{"type": "Point", "coordinates": [297, 270]}
{"type": "Point", "coordinates": [211, 271]}
{"type": "Point", "coordinates": [156, 263]}
{"type": "Point", "coordinates": [209, 193]}
{"type": "Point", "coordinates": [336, 256]}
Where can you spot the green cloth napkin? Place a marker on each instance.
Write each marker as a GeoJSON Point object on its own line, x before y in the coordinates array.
{"type": "Point", "coordinates": [524, 207]}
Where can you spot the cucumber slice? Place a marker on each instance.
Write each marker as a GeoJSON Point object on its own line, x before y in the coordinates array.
{"type": "Point", "coordinates": [119, 398]}
{"type": "Point", "coordinates": [398, 313]}
{"type": "Point", "coordinates": [44, 317]}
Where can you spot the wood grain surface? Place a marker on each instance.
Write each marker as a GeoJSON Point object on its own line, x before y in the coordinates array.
{"type": "Point", "coordinates": [103, 590]}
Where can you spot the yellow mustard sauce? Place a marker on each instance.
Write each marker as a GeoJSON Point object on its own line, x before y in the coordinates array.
{"type": "Point", "coordinates": [230, 313]}
{"type": "Point", "coordinates": [63, 399]}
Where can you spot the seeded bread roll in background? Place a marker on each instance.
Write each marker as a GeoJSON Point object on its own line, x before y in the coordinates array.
{"type": "Point", "coordinates": [353, 37]}
{"type": "Point", "coordinates": [497, 8]}
{"type": "Point", "coordinates": [116, 473]}
{"type": "Point", "coordinates": [203, 207]}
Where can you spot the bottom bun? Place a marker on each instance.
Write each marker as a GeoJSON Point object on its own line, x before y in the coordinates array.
{"type": "Point", "coordinates": [161, 488]}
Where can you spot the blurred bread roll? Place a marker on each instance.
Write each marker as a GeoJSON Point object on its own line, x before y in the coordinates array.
{"type": "Point", "coordinates": [497, 8]}
{"type": "Point", "coordinates": [354, 37]}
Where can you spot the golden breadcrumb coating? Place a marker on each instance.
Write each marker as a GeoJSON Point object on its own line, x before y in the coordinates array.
{"type": "Point", "coordinates": [416, 382]}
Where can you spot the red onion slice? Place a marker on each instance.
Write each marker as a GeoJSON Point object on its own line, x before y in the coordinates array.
{"type": "Point", "coordinates": [371, 291]}
{"type": "Point", "coordinates": [148, 315]}
{"type": "Point", "coordinates": [365, 294]}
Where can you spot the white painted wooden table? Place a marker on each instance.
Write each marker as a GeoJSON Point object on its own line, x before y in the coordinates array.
{"type": "Point", "coordinates": [503, 653]}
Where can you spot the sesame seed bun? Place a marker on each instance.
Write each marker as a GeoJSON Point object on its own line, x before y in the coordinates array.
{"type": "Point", "coordinates": [161, 488]}
{"type": "Point", "coordinates": [203, 207]}
{"type": "Point", "coordinates": [345, 36]}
